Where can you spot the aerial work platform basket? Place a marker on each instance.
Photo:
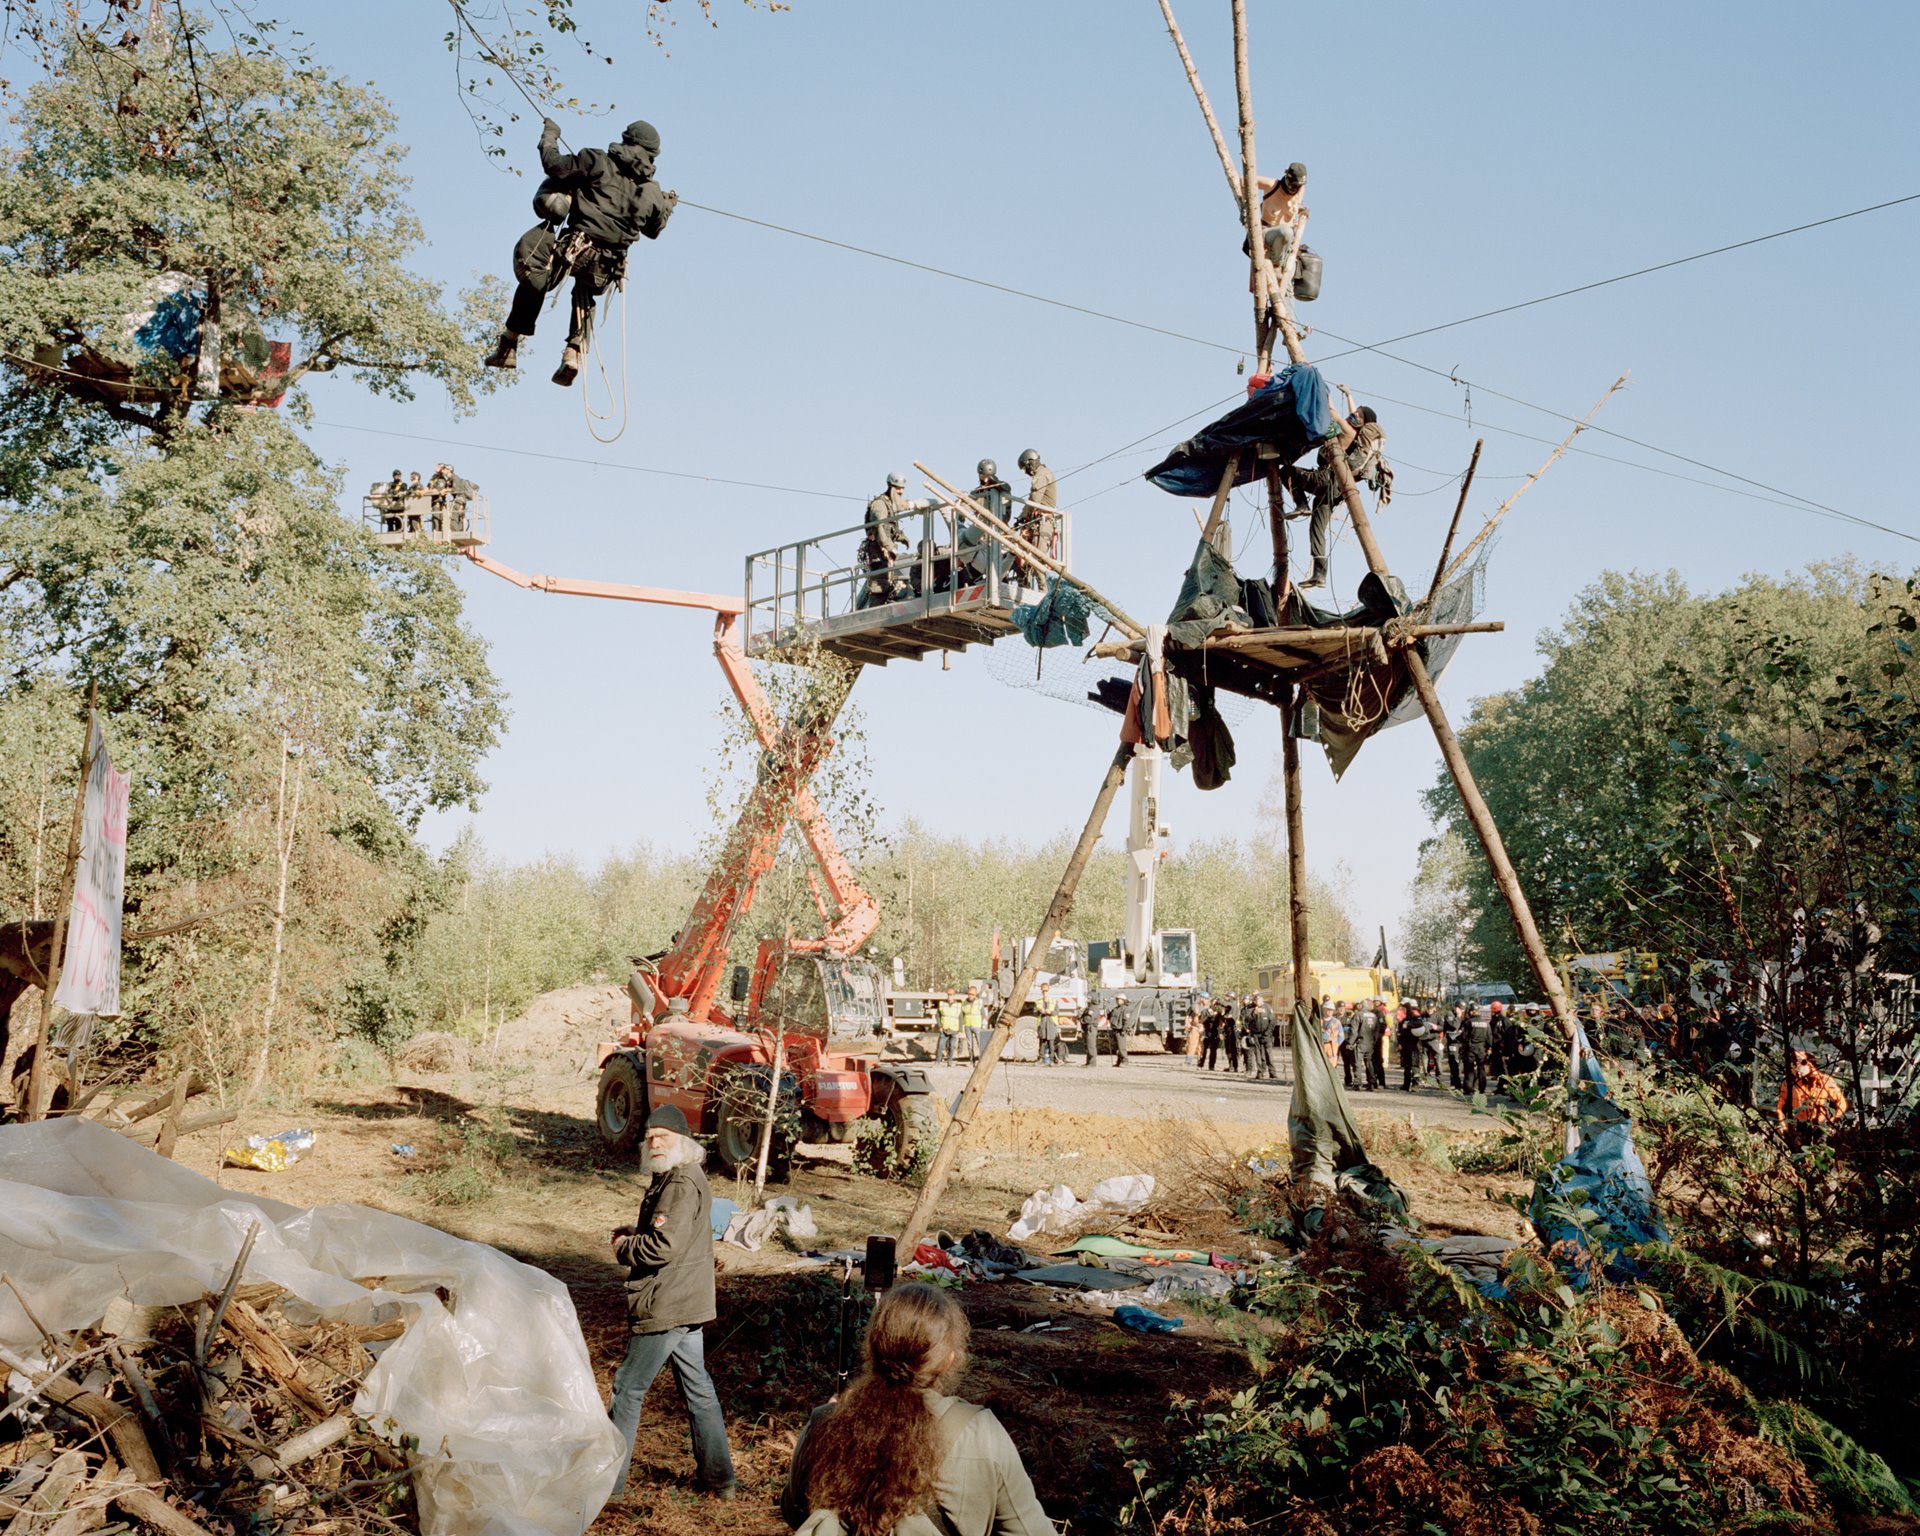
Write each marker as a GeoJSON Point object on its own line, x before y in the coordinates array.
{"type": "Point", "coordinates": [432, 519]}
{"type": "Point", "coordinates": [955, 585]}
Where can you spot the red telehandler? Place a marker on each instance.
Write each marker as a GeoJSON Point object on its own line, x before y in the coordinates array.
{"type": "Point", "coordinates": [813, 1002]}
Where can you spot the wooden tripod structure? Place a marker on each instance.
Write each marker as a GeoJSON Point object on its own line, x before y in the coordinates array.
{"type": "Point", "coordinates": [1286, 656]}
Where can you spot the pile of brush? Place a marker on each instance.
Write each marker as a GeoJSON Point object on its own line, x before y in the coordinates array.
{"type": "Point", "coordinates": [231, 1414]}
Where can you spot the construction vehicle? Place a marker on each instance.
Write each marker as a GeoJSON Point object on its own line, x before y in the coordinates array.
{"type": "Point", "coordinates": [813, 1005]}
{"type": "Point", "coordinates": [1155, 969]}
{"type": "Point", "coordinates": [1618, 978]}
{"type": "Point", "coordinates": [1329, 981]}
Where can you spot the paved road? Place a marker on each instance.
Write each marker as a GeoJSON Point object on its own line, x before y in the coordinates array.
{"type": "Point", "coordinates": [1153, 1086]}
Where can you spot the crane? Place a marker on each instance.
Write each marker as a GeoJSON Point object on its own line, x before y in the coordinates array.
{"type": "Point", "coordinates": [804, 996]}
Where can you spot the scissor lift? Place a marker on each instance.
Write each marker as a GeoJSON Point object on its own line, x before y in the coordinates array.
{"type": "Point", "coordinates": [957, 585]}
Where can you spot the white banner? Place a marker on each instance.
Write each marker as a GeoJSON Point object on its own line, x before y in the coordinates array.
{"type": "Point", "coordinates": [90, 973]}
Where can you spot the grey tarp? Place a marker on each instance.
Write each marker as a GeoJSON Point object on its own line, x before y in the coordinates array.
{"type": "Point", "coordinates": [1326, 1143]}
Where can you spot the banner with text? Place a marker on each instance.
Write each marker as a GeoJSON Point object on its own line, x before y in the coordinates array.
{"type": "Point", "coordinates": [90, 973]}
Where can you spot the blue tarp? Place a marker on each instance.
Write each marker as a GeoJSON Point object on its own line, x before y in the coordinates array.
{"type": "Point", "coordinates": [1291, 414]}
{"type": "Point", "coordinates": [1059, 618]}
{"type": "Point", "coordinates": [1602, 1173]}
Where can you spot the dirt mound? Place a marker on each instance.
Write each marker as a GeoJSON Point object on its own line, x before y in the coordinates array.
{"type": "Point", "coordinates": [559, 1030]}
{"type": "Point", "coordinates": [434, 1051]}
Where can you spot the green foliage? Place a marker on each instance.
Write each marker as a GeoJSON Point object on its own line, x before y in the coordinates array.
{"type": "Point", "coordinates": [1853, 1476]}
{"type": "Point", "coordinates": [1395, 1397]}
{"type": "Point", "coordinates": [1437, 946]}
{"type": "Point", "coordinates": [267, 177]}
{"type": "Point", "coordinates": [470, 1171]}
{"type": "Point", "coordinates": [274, 684]}
{"type": "Point", "coordinates": [1578, 767]}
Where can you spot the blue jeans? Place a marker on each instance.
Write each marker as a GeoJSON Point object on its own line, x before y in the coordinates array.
{"type": "Point", "coordinates": [685, 1350]}
{"type": "Point", "coordinates": [946, 1048]}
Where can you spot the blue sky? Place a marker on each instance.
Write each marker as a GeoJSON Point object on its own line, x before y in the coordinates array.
{"type": "Point", "coordinates": [1461, 158]}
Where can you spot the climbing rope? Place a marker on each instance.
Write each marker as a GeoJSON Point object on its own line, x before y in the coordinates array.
{"type": "Point", "coordinates": [599, 359]}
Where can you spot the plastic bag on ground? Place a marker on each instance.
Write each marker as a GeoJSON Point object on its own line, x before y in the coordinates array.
{"type": "Point", "coordinates": [751, 1229]}
{"type": "Point", "coordinates": [497, 1385]}
{"type": "Point", "coordinates": [270, 1154]}
{"type": "Point", "coordinates": [1056, 1210]}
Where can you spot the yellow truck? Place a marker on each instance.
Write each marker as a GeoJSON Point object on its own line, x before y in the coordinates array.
{"type": "Point", "coordinates": [1330, 982]}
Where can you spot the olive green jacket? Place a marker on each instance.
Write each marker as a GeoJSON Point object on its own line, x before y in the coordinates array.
{"type": "Point", "coordinates": [669, 1257]}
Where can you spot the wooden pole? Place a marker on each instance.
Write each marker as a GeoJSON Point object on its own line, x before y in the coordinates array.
{"type": "Point", "coordinates": [1265, 289]}
{"type": "Point", "coordinates": [1045, 561]}
{"type": "Point", "coordinates": [1489, 835]}
{"type": "Point", "coordinates": [1234, 184]}
{"type": "Point", "coordinates": [1565, 443]}
{"type": "Point", "coordinates": [1440, 566]}
{"type": "Point", "coordinates": [1211, 527]}
{"type": "Point", "coordinates": [969, 1102]}
{"type": "Point", "coordinates": [1277, 525]}
{"type": "Point", "coordinates": [37, 1094]}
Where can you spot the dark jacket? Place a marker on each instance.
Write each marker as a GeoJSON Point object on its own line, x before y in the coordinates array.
{"type": "Point", "coordinates": [615, 198]}
{"type": "Point", "coordinates": [669, 1258]}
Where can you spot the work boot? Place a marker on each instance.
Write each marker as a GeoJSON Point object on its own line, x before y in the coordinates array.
{"type": "Point", "coordinates": [505, 353]}
{"type": "Point", "coordinates": [569, 368]}
{"type": "Point", "coordinates": [1317, 577]}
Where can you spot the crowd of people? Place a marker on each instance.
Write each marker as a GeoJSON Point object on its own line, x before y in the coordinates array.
{"type": "Point", "coordinates": [407, 504]}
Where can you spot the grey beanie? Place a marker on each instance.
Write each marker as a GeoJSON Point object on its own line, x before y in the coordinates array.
{"type": "Point", "coordinates": [644, 134]}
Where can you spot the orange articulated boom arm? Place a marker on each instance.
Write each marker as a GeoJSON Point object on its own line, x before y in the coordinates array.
{"type": "Point", "coordinates": [692, 969]}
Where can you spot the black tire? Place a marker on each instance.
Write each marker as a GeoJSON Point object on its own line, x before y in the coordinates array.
{"type": "Point", "coordinates": [914, 1120]}
{"type": "Point", "coordinates": [826, 1132]}
{"type": "Point", "coordinates": [620, 1109]}
{"type": "Point", "coordinates": [740, 1099]}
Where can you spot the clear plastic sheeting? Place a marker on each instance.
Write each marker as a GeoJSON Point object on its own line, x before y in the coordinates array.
{"type": "Point", "coordinates": [495, 1382]}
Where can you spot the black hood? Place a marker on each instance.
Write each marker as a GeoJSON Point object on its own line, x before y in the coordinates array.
{"type": "Point", "coordinates": [633, 160]}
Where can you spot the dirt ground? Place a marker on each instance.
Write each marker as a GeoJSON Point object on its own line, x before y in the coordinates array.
{"type": "Point", "coordinates": [509, 1135]}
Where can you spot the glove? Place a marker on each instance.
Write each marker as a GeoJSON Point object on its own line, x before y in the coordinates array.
{"type": "Point", "coordinates": [549, 129]}
{"type": "Point", "coordinates": [673, 197]}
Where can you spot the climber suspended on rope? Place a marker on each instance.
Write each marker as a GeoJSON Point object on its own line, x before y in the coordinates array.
{"type": "Point", "coordinates": [606, 199]}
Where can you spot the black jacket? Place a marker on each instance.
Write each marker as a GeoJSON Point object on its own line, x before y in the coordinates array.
{"type": "Point", "coordinates": [615, 198]}
{"type": "Point", "coordinates": [669, 1258]}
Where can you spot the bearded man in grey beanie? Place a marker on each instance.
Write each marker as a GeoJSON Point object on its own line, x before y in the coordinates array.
{"type": "Point", "coordinates": [668, 1252]}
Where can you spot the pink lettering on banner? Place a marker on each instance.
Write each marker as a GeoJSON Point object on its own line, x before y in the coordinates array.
{"type": "Point", "coordinates": [90, 968]}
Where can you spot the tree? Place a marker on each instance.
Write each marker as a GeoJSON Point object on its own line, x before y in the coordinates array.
{"type": "Point", "coordinates": [164, 221]}
{"type": "Point", "coordinates": [1576, 763]}
{"type": "Point", "coordinates": [1436, 944]}
{"type": "Point", "coordinates": [187, 555]}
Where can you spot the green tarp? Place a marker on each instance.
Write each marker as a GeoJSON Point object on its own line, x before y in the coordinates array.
{"type": "Point", "coordinates": [1327, 1149]}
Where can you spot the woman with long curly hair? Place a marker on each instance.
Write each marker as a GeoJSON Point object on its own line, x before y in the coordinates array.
{"type": "Point", "coordinates": [895, 1456]}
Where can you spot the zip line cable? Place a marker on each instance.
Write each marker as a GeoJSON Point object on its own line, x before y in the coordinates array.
{"type": "Point", "coordinates": [568, 458]}
{"type": "Point", "coordinates": [1604, 282]}
{"type": "Point", "coordinates": [961, 277]}
{"type": "Point", "coordinates": [1357, 346]}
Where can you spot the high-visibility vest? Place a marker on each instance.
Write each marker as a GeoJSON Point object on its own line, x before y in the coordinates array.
{"type": "Point", "coordinates": [949, 1015]}
{"type": "Point", "coordinates": [972, 1014]}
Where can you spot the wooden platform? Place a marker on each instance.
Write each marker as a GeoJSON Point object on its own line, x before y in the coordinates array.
{"type": "Point", "coordinates": [907, 630]}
